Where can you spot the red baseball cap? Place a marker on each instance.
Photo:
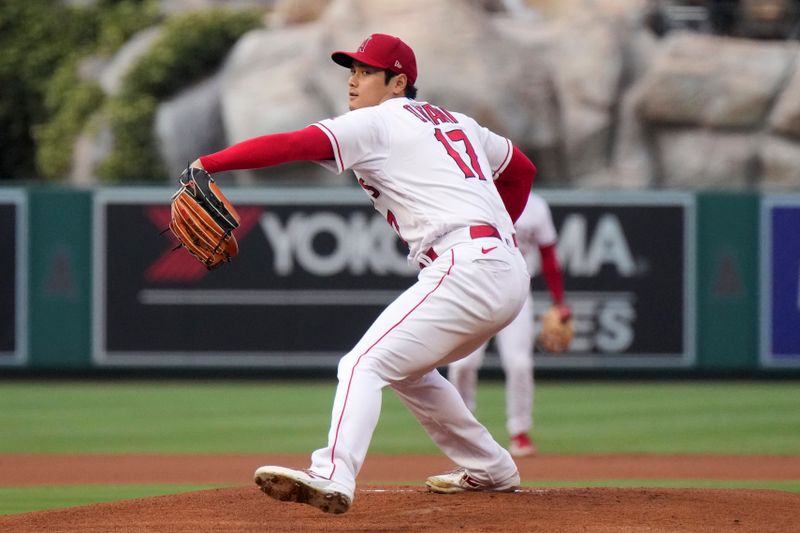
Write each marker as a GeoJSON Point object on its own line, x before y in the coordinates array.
{"type": "Point", "coordinates": [382, 51]}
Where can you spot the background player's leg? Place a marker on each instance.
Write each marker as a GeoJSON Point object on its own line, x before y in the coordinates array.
{"type": "Point", "coordinates": [515, 344]}
{"type": "Point", "coordinates": [439, 408]}
{"type": "Point", "coordinates": [463, 374]}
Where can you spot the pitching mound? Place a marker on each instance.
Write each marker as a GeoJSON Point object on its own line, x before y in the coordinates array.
{"type": "Point", "coordinates": [412, 508]}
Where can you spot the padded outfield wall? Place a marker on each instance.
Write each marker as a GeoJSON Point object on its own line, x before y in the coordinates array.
{"type": "Point", "coordinates": [659, 280]}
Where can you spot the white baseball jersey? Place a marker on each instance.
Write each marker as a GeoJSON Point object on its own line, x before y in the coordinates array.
{"type": "Point", "coordinates": [397, 151]}
{"type": "Point", "coordinates": [535, 228]}
{"type": "Point", "coordinates": [430, 173]}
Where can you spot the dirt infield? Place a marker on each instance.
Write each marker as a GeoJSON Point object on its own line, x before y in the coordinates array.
{"type": "Point", "coordinates": [390, 496]}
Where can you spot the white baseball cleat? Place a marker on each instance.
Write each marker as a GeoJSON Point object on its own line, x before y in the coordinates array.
{"type": "Point", "coordinates": [303, 486]}
{"type": "Point", "coordinates": [460, 480]}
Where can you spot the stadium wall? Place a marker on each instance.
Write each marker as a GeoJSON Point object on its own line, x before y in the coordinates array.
{"type": "Point", "coordinates": [666, 282]}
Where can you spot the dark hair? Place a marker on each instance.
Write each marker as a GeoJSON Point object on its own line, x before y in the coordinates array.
{"type": "Point", "coordinates": [411, 90]}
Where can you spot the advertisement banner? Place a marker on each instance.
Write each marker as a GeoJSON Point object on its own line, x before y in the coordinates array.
{"type": "Point", "coordinates": [629, 274]}
{"type": "Point", "coordinates": [317, 265]}
{"type": "Point", "coordinates": [780, 281]}
{"type": "Point", "coordinates": [13, 278]}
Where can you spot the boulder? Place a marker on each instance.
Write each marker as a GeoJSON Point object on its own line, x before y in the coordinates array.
{"type": "Point", "coordinates": [113, 75]}
{"type": "Point", "coordinates": [267, 87]}
{"type": "Point", "coordinates": [583, 87]}
{"type": "Point", "coordinates": [291, 12]}
{"type": "Point", "coordinates": [785, 118]}
{"type": "Point", "coordinates": [632, 163]}
{"type": "Point", "coordinates": [705, 81]}
{"type": "Point", "coordinates": [190, 124]}
{"type": "Point", "coordinates": [89, 150]}
{"type": "Point", "coordinates": [780, 163]}
{"type": "Point", "coordinates": [691, 158]}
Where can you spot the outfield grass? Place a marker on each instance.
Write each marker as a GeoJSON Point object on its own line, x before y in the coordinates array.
{"type": "Point", "coordinates": [293, 417]}
{"type": "Point", "coordinates": [27, 499]}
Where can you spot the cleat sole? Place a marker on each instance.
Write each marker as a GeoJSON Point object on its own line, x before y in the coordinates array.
{"type": "Point", "coordinates": [286, 489]}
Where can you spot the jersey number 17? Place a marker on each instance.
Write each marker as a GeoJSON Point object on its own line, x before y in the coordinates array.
{"type": "Point", "coordinates": [470, 169]}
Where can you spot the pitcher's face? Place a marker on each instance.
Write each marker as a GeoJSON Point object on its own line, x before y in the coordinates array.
{"type": "Point", "coordinates": [367, 86]}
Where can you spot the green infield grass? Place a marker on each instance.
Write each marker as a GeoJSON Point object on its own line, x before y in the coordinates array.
{"type": "Point", "coordinates": [690, 417]}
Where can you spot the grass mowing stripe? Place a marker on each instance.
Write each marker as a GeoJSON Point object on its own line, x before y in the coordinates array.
{"type": "Point", "coordinates": [36, 498]}
{"type": "Point", "coordinates": [162, 417]}
{"type": "Point", "coordinates": [291, 417]}
{"type": "Point", "coordinates": [668, 417]}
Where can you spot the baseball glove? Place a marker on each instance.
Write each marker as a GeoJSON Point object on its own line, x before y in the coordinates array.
{"type": "Point", "coordinates": [203, 219]}
{"type": "Point", "coordinates": [556, 331]}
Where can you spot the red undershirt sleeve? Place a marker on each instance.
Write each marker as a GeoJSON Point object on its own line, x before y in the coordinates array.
{"type": "Point", "coordinates": [552, 273]}
{"type": "Point", "coordinates": [514, 183]}
{"type": "Point", "coordinates": [308, 144]}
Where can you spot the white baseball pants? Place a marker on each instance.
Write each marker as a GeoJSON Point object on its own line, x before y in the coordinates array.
{"type": "Point", "coordinates": [465, 296]}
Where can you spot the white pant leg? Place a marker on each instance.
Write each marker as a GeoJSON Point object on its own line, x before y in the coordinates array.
{"type": "Point", "coordinates": [515, 345]}
{"type": "Point", "coordinates": [439, 408]}
{"type": "Point", "coordinates": [456, 305]}
{"type": "Point", "coordinates": [355, 413]}
{"type": "Point", "coordinates": [463, 374]}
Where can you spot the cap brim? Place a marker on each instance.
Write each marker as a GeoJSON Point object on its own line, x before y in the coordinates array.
{"type": "Point", "coordinates": [346, 59]}
{"type": "Point", "coordinates": [342, 58]}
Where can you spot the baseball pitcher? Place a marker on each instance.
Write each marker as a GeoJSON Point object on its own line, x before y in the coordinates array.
{"type": "Point", "coordinates": [451, 189]}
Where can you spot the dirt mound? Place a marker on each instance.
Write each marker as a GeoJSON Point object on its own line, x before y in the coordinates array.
{"type": "Point", "coordinates": [386, 502]}
{"type": "Point", "coordinates": [400, 508]}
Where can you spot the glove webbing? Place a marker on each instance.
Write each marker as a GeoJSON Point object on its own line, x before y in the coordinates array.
{"type": "Point", "coordinates": [204, 190]}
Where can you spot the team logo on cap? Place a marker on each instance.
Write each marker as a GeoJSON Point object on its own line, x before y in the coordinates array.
{"type": "Point", "coordinates": [364, 44]}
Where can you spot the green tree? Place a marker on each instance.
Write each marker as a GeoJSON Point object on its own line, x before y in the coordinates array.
{"type": "Point", "coordinates": [191, 48]}
{"type": "Point", "coordinates": [35, 36]}
{"type": "Point", "coordinates": [43, 104]}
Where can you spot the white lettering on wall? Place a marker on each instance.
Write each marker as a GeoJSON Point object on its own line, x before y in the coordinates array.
{"type": "Point", "coordinates": [361, 244]}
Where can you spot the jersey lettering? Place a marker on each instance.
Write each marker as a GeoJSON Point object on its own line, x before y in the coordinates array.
{"type": "Point", "coordinates": [372, 191]}
{"type": "Point", "coordinates": [474, 167]}
{"type": "Point", "coordinates": [431, 113]}
{"type": "Point", "coordinates": [392, 220]}
{"type": "Point", "coordinates": [415, 112]}
{"type": "Point", "coordinates": [448, 115]}
{"type": "Point", "coordinates": [438, 115]}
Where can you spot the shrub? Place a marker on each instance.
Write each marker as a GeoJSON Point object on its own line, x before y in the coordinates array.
{"type": "Point", "coordinates": [35, 37]}
{"type": "Point", "coordinates": [44, 105]}
{"type": "Point", "coordinates": [70, 102]}
{"type": "Point", "coordinates": [134, 156]}
{"type": "Point", "coordinates": [67, 102]}
{"type": "Point", "coordinates": [190, 48]}
{"type": "Point", "coordinates": [118, 20]}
